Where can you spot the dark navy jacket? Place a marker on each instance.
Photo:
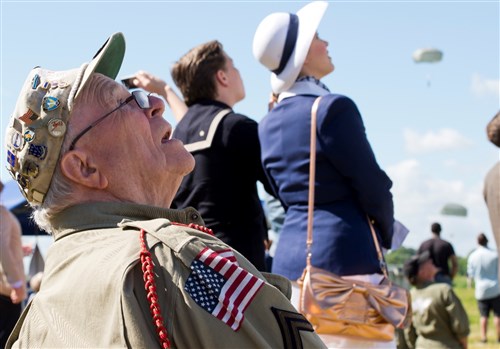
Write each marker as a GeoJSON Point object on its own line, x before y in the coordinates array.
{"type": "Point", "coordinates": [223, 184]}
{"type": "Point", "coordinates": [349, 186]}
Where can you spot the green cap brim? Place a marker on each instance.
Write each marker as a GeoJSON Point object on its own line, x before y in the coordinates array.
{"type": "Point", "coordinates": [107, 60]}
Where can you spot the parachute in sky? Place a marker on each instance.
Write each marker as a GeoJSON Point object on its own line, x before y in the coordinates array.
{"type": "Point", "coordinates": [427, 55]}
{"type": "Point", "coordinates": [453, 209]}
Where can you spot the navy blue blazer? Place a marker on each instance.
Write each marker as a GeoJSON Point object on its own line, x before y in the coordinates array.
{"type": "Point", "coordinates": [223, 184]}
{"type": "Point", "coordinates": [350, 186]}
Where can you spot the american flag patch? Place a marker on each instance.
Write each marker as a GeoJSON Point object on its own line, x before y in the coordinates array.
{"type": "Point", "coordinates": [221, 287]}
{"type": "Point", "coordinates": [11, 158]}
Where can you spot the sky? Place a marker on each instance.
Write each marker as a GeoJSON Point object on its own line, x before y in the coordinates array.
{"type": "Point", "coordinates": [425, 121]}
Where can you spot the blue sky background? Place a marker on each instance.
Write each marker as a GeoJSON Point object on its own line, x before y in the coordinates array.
{"type": "Point", "coordinates": [426, 122]}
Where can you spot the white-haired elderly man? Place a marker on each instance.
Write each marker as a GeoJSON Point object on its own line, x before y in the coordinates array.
{"type": "Point", "coordinates": [100, 169]}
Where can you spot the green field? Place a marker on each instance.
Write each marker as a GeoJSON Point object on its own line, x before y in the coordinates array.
{"type": "Point", "coordinates": [466, 295]}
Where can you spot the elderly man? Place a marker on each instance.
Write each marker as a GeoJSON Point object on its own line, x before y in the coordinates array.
{"type": "Point", "coordinates": [100, 169]}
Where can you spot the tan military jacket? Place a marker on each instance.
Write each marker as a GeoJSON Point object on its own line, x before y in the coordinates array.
{"type": "Point", "coordinates": [93, 295]}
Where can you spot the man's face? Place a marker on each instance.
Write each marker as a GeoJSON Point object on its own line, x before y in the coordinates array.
{"type": "Point", "coordinates": [235, 80]}
{"type": "Point", "coordinates": [133, 149]}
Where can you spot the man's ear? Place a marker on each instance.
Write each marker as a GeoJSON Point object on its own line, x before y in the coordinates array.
{"type": "Point", "coordinates": [221, 78]}
{"type": "Point", "coordinates": [80, 168]}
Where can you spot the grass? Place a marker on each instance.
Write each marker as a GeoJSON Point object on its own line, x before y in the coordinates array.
{"type": "Point", "coordinates": [469, 302]}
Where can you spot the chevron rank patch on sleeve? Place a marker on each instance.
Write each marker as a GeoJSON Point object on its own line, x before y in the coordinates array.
{"type": "Point", "coordinates": [291, 324]}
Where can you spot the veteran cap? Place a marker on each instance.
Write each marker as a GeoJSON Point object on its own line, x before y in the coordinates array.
{"type": "Point", "coordinates": [37, 127]}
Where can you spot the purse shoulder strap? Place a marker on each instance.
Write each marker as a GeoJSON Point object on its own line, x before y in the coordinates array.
{"type": "Point", "coordinates": [380, 255]}
{"type": "Point", "coordinates": [312, 175]}
{"type": "Point", "coordinates": [310, 204]}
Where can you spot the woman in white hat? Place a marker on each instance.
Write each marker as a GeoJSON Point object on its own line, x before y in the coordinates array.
{"type": "Point", "coordinates": [349, 184]}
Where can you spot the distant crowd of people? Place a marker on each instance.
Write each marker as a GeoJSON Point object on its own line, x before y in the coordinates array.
{"type": "Point", "coordinates": [439, 318]}
{"type": "Point", "coordinates": [161, 234]}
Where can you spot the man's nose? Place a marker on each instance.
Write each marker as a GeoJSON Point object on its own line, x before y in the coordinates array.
{"type": "Point", "coordinates": [157, 107]}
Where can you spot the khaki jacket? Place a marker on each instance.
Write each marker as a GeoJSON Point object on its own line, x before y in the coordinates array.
{"type": "Point", "coordinates": [439, 319]}
{"type": "Point", "coordinates": [93, 290]}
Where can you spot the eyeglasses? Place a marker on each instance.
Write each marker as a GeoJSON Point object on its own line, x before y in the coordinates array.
{"type": "Point", "coordinates": [140, 97]}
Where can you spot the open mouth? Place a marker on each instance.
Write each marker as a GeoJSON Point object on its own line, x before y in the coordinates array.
{"type": "Point", "coordinates": [166, 137]}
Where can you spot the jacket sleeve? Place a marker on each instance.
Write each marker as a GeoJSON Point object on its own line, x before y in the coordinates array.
{"type": "Point", "coordinates": [195, 298]}
{"type": "Point", "coordinates": [470, 267]}
{"type": "Point", "coordinates": [342, 137]}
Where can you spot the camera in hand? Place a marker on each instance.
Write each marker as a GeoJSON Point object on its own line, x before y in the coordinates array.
{"type": "Point", "coordinates": [129, 82]}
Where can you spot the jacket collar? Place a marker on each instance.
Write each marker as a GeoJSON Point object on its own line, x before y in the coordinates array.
{"type": "Point", "coordinates": [98, 215]}
{"type": "Point", "coordinates": [305, 86]}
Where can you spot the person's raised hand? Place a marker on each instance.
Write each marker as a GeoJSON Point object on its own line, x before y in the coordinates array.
{"type": "Point", "coordinates": [150, 83]}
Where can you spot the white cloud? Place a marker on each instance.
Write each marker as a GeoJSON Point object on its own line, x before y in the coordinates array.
{"type": "Point", "coordinates": [481, 86]}
{"type": "Point", "coordinates": [443, 139]}
{"type": "Point", "coordinates": [451, 163]}
{"type": "Point", "coordinates": [419, 197]}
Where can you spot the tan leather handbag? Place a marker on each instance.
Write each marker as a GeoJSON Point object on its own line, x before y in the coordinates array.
{"type": "Point", "coordinates": [335, 305]}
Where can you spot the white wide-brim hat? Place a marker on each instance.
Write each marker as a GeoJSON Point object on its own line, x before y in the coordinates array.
{"type": "Point", "coordinates": [282, 40]}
